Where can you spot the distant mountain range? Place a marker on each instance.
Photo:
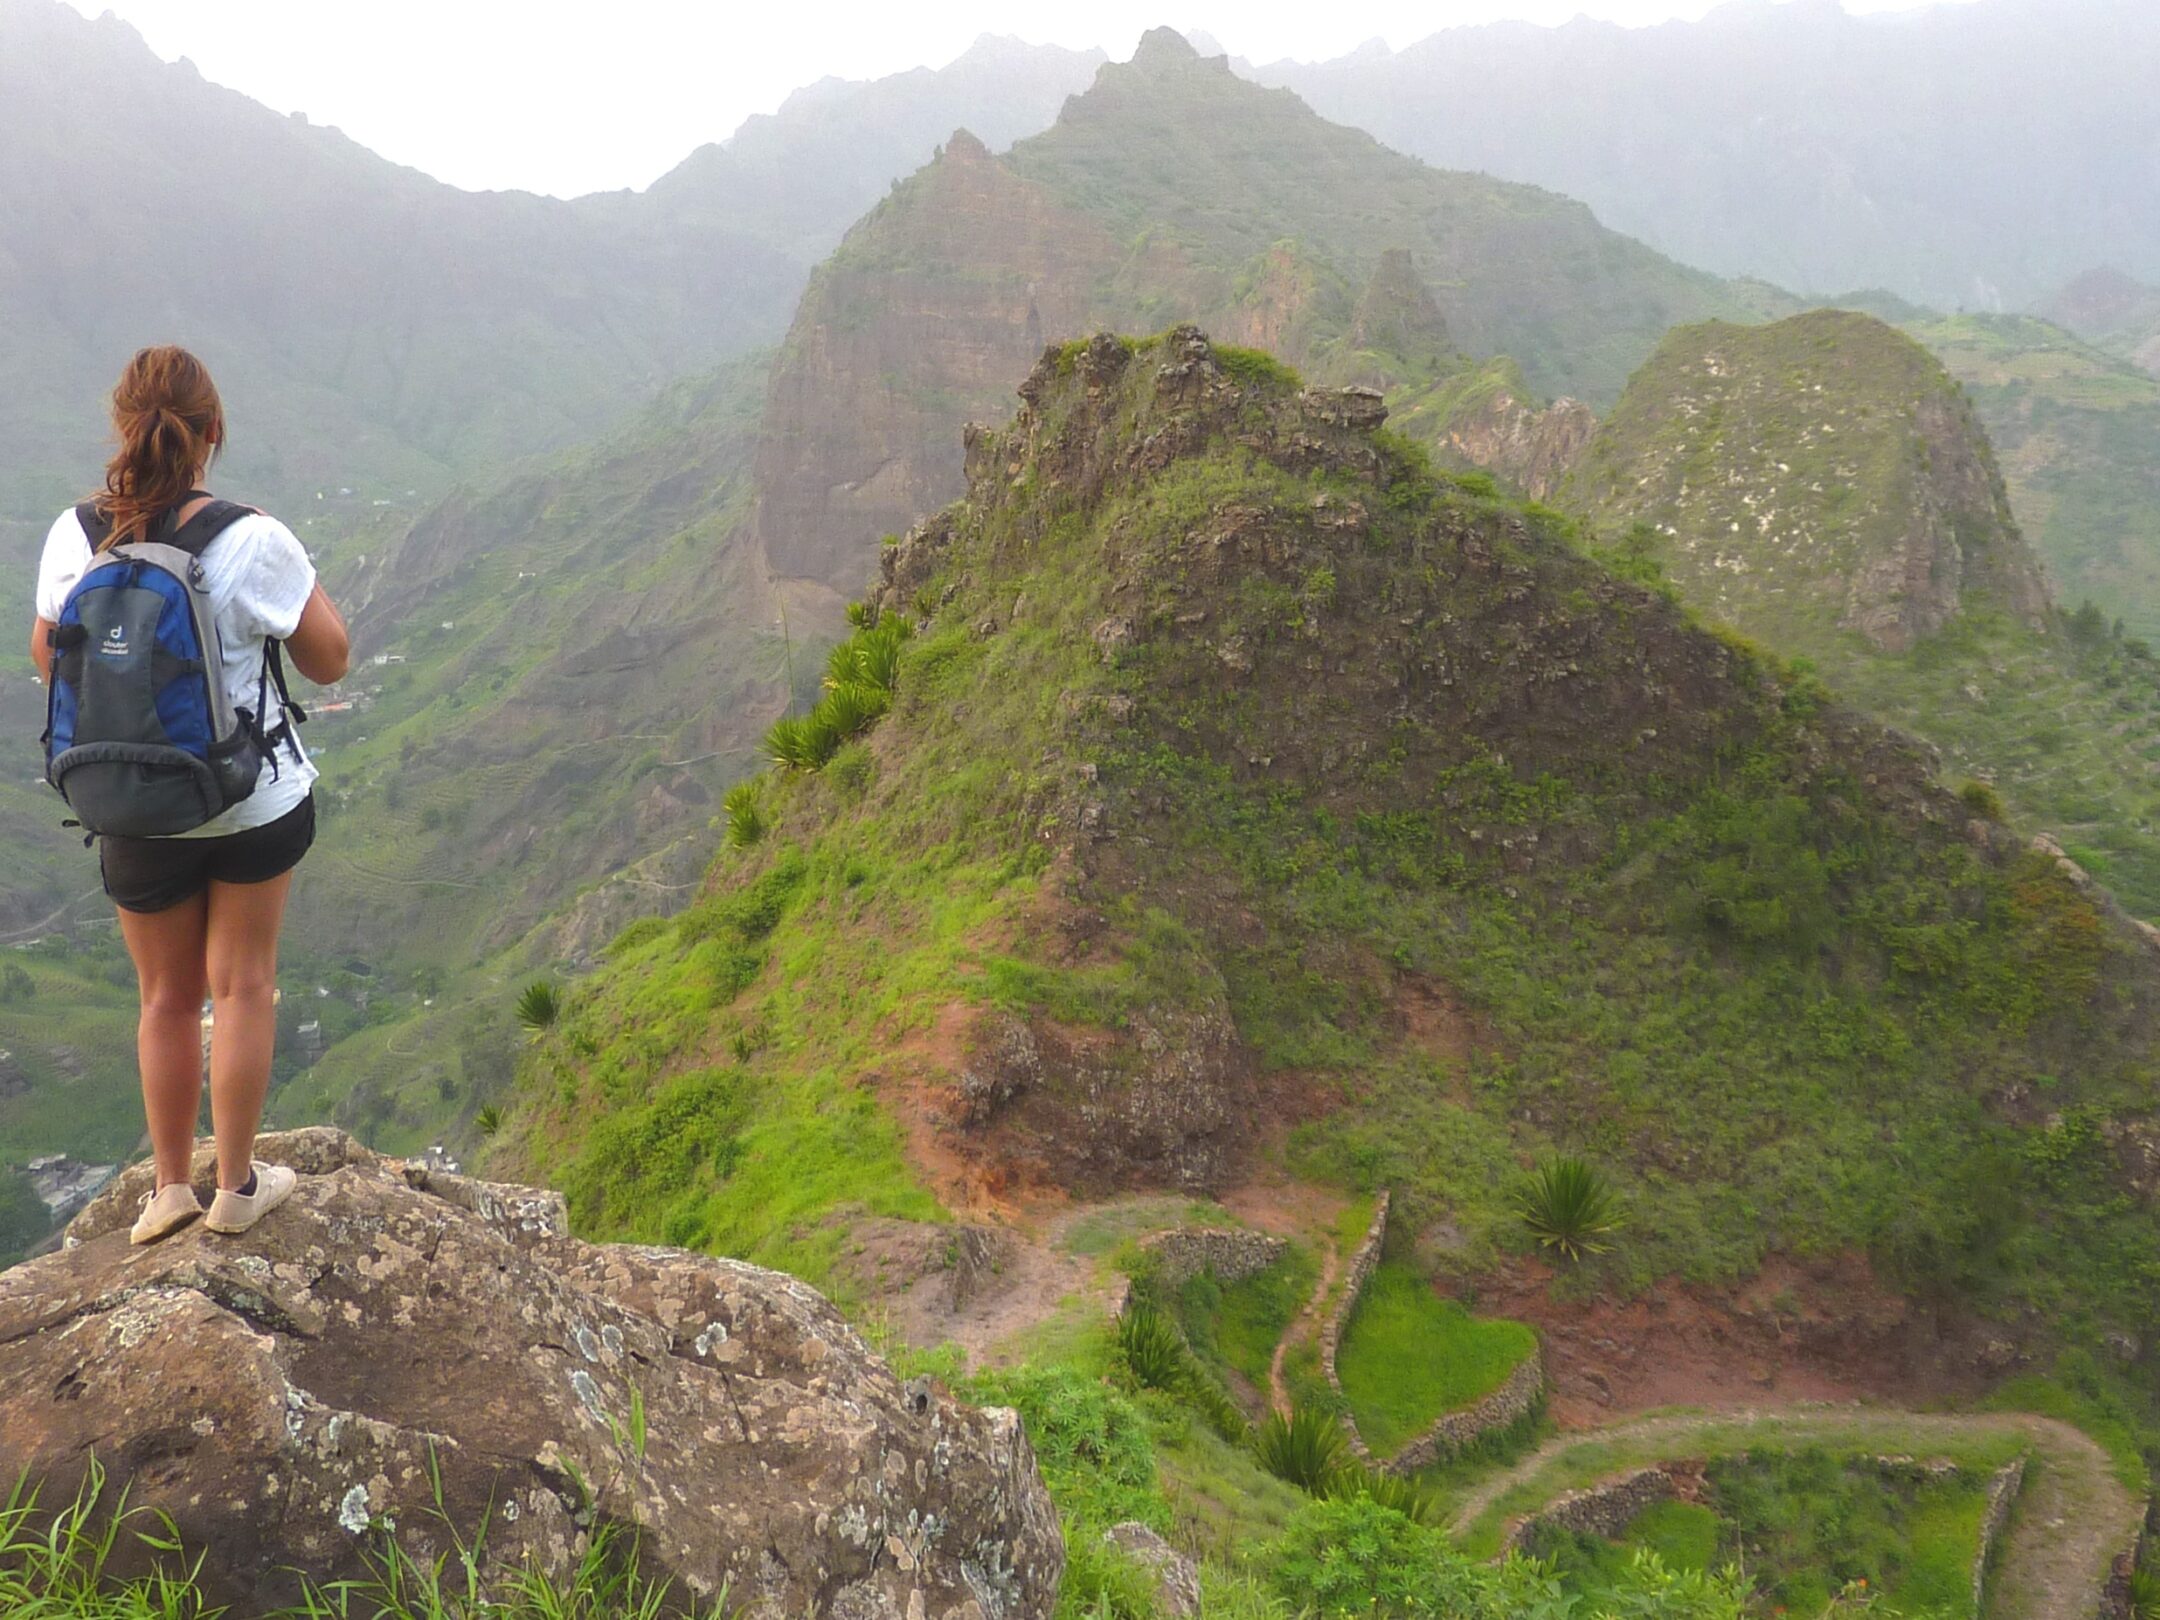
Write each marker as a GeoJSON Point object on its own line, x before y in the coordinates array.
{"type": "Point", "coordinates": [372, 327]}
{"type": "Point", "coordinates": [1969, 156]}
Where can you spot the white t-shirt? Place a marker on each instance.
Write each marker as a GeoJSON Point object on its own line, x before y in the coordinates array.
{"type": "Point", "coordinates": [259, 578]}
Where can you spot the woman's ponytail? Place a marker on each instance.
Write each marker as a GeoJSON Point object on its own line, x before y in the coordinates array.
{"type": "Point", "coordinates": [168, 419]}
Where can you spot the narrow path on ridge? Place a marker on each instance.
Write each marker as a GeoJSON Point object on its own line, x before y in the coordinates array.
{"type": "Point", "coordinates": [2072, 1517]}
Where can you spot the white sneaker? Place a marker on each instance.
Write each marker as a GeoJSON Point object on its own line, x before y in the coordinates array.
{"type": "Point", "coordinates": [164, 1212]}
{"type": "Point", "coordinates": [236, 1212]}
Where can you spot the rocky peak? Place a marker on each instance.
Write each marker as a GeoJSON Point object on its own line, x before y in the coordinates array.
{"type": "Point", "coordinates": [1397, 311]}
{"type": "Point", "coordinates": [281, 1393]}
{"type": "Point", "coordinates": [1164, 48]}
{"type": "Point", "coordinates": [1819, 473]}
{"type": "Point", "coordinates": [965, 147]}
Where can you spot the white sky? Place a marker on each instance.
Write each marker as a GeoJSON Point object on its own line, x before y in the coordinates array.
{"type": "Point", "coordinates": [569, 98]}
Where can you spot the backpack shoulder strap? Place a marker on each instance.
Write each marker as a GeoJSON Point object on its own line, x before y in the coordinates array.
{"type": "Point", "coordinates": [194, 536]}
{"type": "Point", "coordinates": [95, 525]}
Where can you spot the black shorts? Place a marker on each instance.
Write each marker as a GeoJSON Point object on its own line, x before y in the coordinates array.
{"type": "Point", "coordinates": [155, 874]}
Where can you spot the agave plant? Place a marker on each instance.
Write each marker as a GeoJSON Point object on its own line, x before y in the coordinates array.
{"type": "Point", "coordinates": [746, 823]}
{"type": "Point", "coordinates": [1413, 1501]}
{"type": "Point", "coordinates": [868, 658]}
{"type": "Point", "coordinates": [538, 1005]}
{"type": "Point", "coordinates": [848, 711]}
{"type": "Point", "coordinates": [488, 1121]}
{"type": "Point", "coordinates": [801, 742]}
{"type": "Point", "coordinates": [2144, 1595]}
{"type": "Point", "coordinates": [1306, 1448]}
{"type": "Point", "coordinates": [1153, 1351]}
{"type": "Point", "coordinates": [1568, 1208]}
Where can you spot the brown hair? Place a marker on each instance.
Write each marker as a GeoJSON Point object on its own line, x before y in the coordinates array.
{"type": "Point", "coordinates": [168, 417]}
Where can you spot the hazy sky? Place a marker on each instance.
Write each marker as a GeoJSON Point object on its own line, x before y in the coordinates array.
{"type": "Point", "coordinates": [568, 98]}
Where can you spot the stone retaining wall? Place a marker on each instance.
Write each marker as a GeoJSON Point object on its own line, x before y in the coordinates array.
{"type": "Point", "coordinates": [1227, 1251]}
{"type": "Point", "coordinates": [1506, 1406]}
{"type": "Point", "coordinates": [1355, 1277]}
{"type": "Point", "coordinates": [2115, 1597]}
{"type": "Point", "coordinates": [1598, 1510]}
{"type": "Point", "coordinates": [2002, 1495]}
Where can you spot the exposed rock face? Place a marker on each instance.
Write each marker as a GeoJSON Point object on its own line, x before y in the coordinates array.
{"type": "Point", "coordinates": [1397, 312]}
{"type": "Point", "coordinates": [278, 1392]}
{"type": "Point", "coordinates": [1177, 1578]}
{"type": "Point", "coordinates": [1826, 462]}
{"type": "Point", "coordinates": [1532, 449]}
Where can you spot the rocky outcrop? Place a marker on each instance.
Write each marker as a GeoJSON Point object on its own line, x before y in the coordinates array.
{"type": "Point", "coordinates": [1532, 448]}
{"type": "Point", "coordinates": [282, 1394]}
{"type": "Point", "coordinates": [1824, 460]}
{"type": "Point", "coordinates": [1177, 1577]}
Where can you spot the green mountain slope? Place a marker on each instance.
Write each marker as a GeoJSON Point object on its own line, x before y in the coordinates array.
{"type": "Point", "coordinates": [1824, 485]}
{"type": "Point", "coordinates": [1174, 190]}
{"type": "Point", "coordinates": [2116, 312]}
{"type": "Point", "coordinates": [369, 325]}
{"type": "Point", "coordinates": [2077, 432]}
{"type": "Point", "coordinates": [1229, 738]}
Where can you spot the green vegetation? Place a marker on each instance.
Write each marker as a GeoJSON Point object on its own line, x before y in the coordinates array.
{"type": "Point", "coordinates": [1715, 934]}
{"type": "Point", "coordinates": [62, 1564]}
{"type": "Point", "coordinates": [1408, 1356]}
{"type": "Point", "coordinates": [1567, 1204]}
{"type": "Point", "coordinates": [1236, 1326]}
{"type": "Point", "coordinates": [1806, 1524]}
{"type": "Point", "coordinates": [1306, 1448]}
{"type": "Point", "coordinates": [538, 1005]}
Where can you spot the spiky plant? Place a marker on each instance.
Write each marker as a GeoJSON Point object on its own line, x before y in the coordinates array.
{"type": "Point", "coordinates": [861, 615]}
{"type": "Point", "coordinates": [488, 1121]}
{"type": "Point", "coordinates": [848, 711]}
{"type": "Point", "coordinates": [1406, 1496]}
{"type": "Point", "coordinates": [2144, 1594]}
{"type": "Point", "coordinates": [746, 824]}
{"type": "Point", "coordinates": [1306, 1448]}
{"type": "Point", "coordinates": [538, 1005]}
{"type": "Point", "coordinates": [1569, 1208]}
{"type": "Point", "coordinates": [802, 742]}
{"type": "Point", "coordinates": [1152, 1350]}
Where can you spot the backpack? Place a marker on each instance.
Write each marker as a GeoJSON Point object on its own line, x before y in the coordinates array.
{"type": "Point", "coordinates": [140, 736]}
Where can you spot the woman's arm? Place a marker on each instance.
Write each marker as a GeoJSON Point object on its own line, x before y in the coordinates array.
{"type": "Point", "coordinates": [41, 648]}
{"type": "Point", "coordinates": [320, 648]}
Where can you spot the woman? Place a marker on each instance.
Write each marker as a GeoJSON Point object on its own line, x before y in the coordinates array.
{"type": "Point", "coordinates": [200, 911]}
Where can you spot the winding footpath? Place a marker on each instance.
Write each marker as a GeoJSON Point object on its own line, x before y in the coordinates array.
{"type": "Point", "coordinates": [2072, 1518]}
{"type": "Point", "coordinates": [1303, 1326]}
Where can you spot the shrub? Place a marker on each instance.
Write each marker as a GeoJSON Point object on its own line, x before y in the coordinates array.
{"type": "Point", "coordinates": [849, 711]}
{"type": "Point", "coordinates": [1982, 800]}
{"type": "Point", "coordinates": [1153, 1352]}
{"type": "Point", "coordinates": [488, 1121]}
{"type": "Point", "coordinates": [2144, 1595]}
{"type": "Point", "coordinates": [801, 742]}
{"type": "Point", "coordinates": [746, 815]}
{"type": "Point", "coordinates": [1568, 1207]}
{"type": "Point", "coordinates": [1306, 1448]}
{"type": "Point", "coordinates": [1413, 1501]}
{"type": "Point", "coordinates": [538, 1005]}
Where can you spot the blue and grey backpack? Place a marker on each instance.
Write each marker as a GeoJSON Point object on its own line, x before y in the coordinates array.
{"type": "Point", "coordinates": [140, 737]}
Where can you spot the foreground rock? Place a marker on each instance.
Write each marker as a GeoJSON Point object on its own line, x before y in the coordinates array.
{"type": "Point", "coordinates": [279, 1394]}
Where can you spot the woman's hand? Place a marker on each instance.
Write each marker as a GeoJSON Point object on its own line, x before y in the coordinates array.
{"type": "Point", "coordinates": [321, 650]}
{"type": "Point", "coordinates": [41, 649]}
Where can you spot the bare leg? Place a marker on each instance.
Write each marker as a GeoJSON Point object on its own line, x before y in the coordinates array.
{"type": "Point", "coordinates": [167, 947]}
{"type": "Point", "coordinates": [242, 957]}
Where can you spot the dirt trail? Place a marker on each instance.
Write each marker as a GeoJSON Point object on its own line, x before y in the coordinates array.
{"type": "Point", "coordinates": [1303, 1326]}
{"type": "Point", "coordinates": [2073, 1517]}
